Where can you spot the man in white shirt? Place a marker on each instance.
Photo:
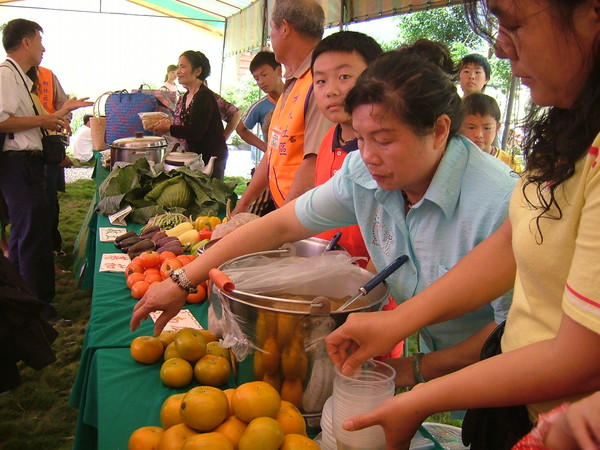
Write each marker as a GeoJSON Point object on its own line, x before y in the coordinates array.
{"type": "Point", "coordinates": [82, 141]}
{"type": "Point", "coordinates": [21, 162]}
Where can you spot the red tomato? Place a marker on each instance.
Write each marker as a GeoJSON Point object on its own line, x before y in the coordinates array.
{"type": "Point", "coordinates": [184, 259]}
{"type": "Point", "coordinates": [149, 259]}
{"type": "Point", "coordinates": [151, 270]}
{"type": "Point", "coordinates": [134, 278]}
{"type": "Point", "coordinates": [199, 296]}
{"type": "Point", "coordinates": [166, 255]}
{"type": "Point", "coordinates": [136, 260]}
{"type": "Point", "coordinates": [139, 289]}
{"type": "Point", "coordinates": [168, 265]}
{"type": "Point", "coordinates": [152, 277]}
{"type": "Point", "coordinates": [133, 268]}
{"type": "Point", "coordinates": [204, 234]}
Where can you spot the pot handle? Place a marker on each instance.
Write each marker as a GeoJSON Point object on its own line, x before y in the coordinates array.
{"type": "Point", "coordinates": [221, 280]}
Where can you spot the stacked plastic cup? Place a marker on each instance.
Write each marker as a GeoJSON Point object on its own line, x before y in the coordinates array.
{"type": "Point", "coordinates": [327, 439]}
{"type": "Point", "coordinates": [359, 393]}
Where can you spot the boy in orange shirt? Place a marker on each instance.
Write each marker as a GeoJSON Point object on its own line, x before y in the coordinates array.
{"type": "Point", "coordinates": [337, 62]}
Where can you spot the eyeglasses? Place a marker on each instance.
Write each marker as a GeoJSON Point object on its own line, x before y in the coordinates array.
{"type": "Point", "coordinates": [507, 40]}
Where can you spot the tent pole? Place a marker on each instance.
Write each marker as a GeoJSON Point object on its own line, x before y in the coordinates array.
{"type": "Point", "coordinates": [223, 57]}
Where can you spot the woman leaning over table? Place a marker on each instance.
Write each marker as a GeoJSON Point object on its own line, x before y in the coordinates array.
{"type": "Point", "coordinates": [414, 187]}
{"type": "Point", "coordinates": [548, 248]}
{"type": "Point", "coordinates": [197, 122]}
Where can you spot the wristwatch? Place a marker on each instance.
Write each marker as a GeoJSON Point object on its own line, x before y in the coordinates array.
{"type": "Point", "coordinates": [179, 277]}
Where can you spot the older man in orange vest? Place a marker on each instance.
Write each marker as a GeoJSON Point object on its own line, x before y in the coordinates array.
{"type": "Point", "coordinates": [297, 126]}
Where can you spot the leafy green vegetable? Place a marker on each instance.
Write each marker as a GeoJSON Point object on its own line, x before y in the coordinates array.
{"type": "Point", "coordinates": [152, 192]}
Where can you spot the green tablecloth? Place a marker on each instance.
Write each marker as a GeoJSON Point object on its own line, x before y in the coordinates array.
{"type": "Point", "coordinates": [108, 328]}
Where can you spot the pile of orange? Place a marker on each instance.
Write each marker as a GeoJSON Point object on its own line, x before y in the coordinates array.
{"type": "Point", "coordinates": [250, 417]}
{"type": "Point", "coordinates": [188, 354]}
{"type": "Point", "coordinates": [152, 267]}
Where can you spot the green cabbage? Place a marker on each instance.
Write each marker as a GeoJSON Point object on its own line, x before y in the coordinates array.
{"type": "Point", "coordinates": [171, 193]}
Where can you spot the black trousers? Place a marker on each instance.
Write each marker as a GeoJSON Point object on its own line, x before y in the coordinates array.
{"type": "Point", "coordinates": [30, 244]}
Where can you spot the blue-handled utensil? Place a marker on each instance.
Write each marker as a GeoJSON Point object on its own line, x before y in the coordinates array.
{"type": "Point", "coordinates": [381, 276]}
{"type": "Point", "coordinates": [334, 240]}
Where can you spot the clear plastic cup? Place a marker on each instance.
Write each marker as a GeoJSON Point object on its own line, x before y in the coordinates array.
{"type": "Point", "coordinates": [356, 394]}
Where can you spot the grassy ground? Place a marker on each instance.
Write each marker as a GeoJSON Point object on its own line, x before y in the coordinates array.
{"type": "Point", "coordinates": [36, 415]}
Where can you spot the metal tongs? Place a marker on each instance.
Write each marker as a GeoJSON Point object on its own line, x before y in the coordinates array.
{"type": "Point", "coordinates": [377, 279]}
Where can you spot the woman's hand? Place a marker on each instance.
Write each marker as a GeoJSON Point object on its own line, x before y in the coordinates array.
{"type": "Point", "coordinates": [75, 103]}
{"type": "Point", "coordinates": [399, 420]}
{"type": "Point", "coordinates": [361, 337]}
{"type": "Point", "coordinates": [167, 297]}
{"type": "Point", "coordinates": [52, 122]}
{"type": "Point", "coordinates": [162, 127]}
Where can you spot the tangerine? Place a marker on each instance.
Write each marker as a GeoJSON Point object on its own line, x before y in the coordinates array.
{"type": "Point", "coordinates": [214, 348]}
{"type": "Point", "coordinates": [171, 351]}
{"type": "Point", "coordinates": [208, 335]}
{"type": "Point", "coordinates": [290, 418]}
{"type": "Point", "coordinates": [145, 438]}
{"type": "Point", "coordinates": [169, 411]}
{"type": "Point", "coordinates": [229, 394]}
{"type": "Point", "coordinates": [176, 372]}
{"type": "Point", "coordinates": [263, 433]}
{"type": "Point", "coordinates": [212, 370]}
{"type": "Point", "coordinates": [190, 344]}
{"type": "Point", "coordinates": [204, 408]}
{"type": "Point", "coordinates": [255, 399]}
{"type": "Point", "coordinates": [146, 349]}
{"type": "Point", "coordinates": [166, 337]}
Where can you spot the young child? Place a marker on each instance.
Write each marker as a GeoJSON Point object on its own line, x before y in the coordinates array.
{"type": "Point", "coordinates": [337, 62]}
{"type": "Point", "coordinates": [474, 73]}
{"type": "Point", "coordinates": [481, 123]}
{"type": "Point", "coordinates": [267, 73]}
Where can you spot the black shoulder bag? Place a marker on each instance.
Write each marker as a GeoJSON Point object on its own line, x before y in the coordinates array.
{"type": "Point", "coordinates": [53, 145]}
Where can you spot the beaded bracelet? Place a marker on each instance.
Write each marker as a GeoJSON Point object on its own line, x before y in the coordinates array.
{"type": "Point", "coordinates": [416, 366]}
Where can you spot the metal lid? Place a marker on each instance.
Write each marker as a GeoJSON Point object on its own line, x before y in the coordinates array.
{"type": "Point", "coordinates": [140, 142]}
{"type": "Point", "coordinates": [181, 159]}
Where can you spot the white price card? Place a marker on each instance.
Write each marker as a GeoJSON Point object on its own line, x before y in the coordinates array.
{"type": "Point", "coordinates": [109, 234]}
{"type": "Point", "coordinates": [114, 262]}
{"type": "Point", "coordinates": [184, 319]}
{"type": "Point", "coordinates": [118, 218]}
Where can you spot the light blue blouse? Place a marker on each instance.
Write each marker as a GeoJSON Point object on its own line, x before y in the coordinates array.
{"type": "Point", "coordinates": [467, 201]}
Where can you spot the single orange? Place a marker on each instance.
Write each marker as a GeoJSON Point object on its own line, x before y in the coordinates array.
{"type": "Point", "coordinates": [208, 335]}
{"type": "Point", "coordinates": [291, 391]}
{"type": "Point", "coordinates": [169, 411]}
{"type": "Point", "coordinates": [190, 344]}
{"type": "Point", "coordinates": [214, 348]}
{"type": "Point", "coordinates": [146, 349]}
{"type": "Point", "coordinates": [229, 394]}
{"type": "Point", "coordinates": [171, 351]}
{"type": "Point", "coordinates": [204, 408]}
{"type": "Point", "coordinates": [263, 433]}
{"type": "Point", "coordinates": [176, 372]}
{"type": "Point", "coordinates": [255, 399]}
{"type": "Point", "coordinates": [145, 438]}
{"type": "Point", "coordinates": [290, 418]}
{"type": "Point", "coordinates": [212, 370]}
{"type": "Point", "coordinates": [166, 337]}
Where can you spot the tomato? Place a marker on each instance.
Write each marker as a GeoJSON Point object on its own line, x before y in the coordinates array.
{"type": "Point", "coordinates": [166, 255]}
{"type": "Point", "coordinates": [136, 260]}
{"type": "Point", "coordinates": [133, 268]}
{"type": "Point", "coordinates": [152, 277]}
{"type": "Point", "coordinates": [204, 234]}
{"type": "Point", "coordinates": [151, 270]}
{"type": "Point", "coordinates": [134, 278]}
{"type": "Point", "coordinates": [199, 296]}
{"type": "Point", "coordinates": [139, 288]}
{"type": "Point", "coordinates": [149, 259]}
{"type": "Point", "coordinates": [184, 259]}
{"type": "Point", "coordinates": [169, 265]}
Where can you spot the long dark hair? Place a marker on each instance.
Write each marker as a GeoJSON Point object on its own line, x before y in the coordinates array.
{"type": "Point", "coordinates": [198, 59]}
{"type": "Point", "coordinates": [555, 138]}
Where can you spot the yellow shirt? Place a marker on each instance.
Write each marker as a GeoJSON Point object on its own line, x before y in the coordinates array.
{"type": "Point", "coordinates": [560, 274]}
{"type": "Point", "coordinates": [507, 159]}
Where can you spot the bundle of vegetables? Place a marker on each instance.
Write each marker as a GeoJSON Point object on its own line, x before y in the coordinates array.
{"type": "Point", "coordinates": [150, 193]}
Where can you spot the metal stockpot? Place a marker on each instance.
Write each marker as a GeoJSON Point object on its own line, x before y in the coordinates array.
{"type": "Point", "coordinates": [284, 338]}
{"type": "Point", "coordinates": [133, 148]}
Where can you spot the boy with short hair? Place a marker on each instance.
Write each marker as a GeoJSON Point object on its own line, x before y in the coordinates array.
{"type": "Point", "coordinates": [267, 73]}
{"type": "Point", "coordinates": [337, 62]}
{"type": "Point", "coordinates": [474, 73]}
{"type": "Point", "coordinates": [481, 123]}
